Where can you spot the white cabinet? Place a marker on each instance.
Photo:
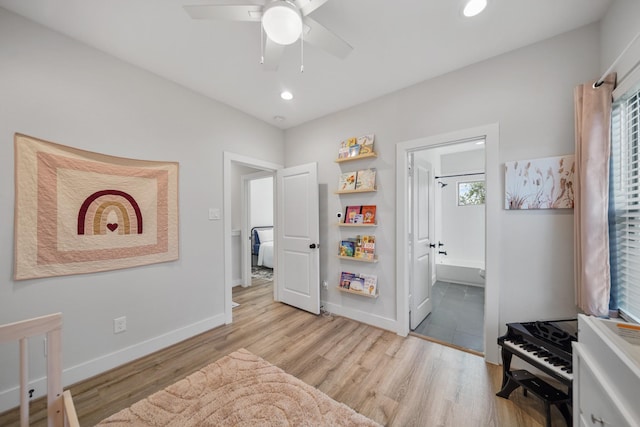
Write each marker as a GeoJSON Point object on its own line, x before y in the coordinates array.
{"type": "Point", "coordinates": [606, 388]}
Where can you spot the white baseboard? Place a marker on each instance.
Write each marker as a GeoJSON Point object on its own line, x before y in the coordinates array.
{"type": "Point", "coordinates": [10, 398]}
{"type": "Point", "coordinates": [361, 316]}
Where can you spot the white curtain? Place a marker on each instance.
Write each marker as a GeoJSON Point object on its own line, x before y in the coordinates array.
{"type": "Point", "coordinates": [591, 241]}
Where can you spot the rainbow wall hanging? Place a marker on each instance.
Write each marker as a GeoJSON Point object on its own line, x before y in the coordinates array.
{"type": "Point", "coordinates": [82, 212]}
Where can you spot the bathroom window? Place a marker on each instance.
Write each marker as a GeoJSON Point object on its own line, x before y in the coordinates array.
{"type": "Point", "coordinates": [471, 193]}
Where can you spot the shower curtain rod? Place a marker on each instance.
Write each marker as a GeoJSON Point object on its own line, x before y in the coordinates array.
{"type": "Point", "coordinates": [599, 82]}
{"type": "Point", "coordinates": [460, 174]}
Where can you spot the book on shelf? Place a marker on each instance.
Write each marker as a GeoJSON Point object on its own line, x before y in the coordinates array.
{"type": "Point", "coordinates": [354, 147]}
{"type": "Point", "coordinates": [366, 179]}
{"type": "Point", "coordinates": [357, 283]}
{"type": "Point", "coordinates": [365, 283]}
{"type": "Point", "coordinates": [345, 279]}
{"type": "Point", "coordinates": [368, 214]}
{"type": "Point", "coordinates": [350, 214]}
{"type": "Point", "coordinates": [358, 219]}
{"type": "Point", "coordinates": [354, 150]}
{"type": "Point", "coordinates": [347, 181]}
{"type": "Point", "coordinates": [370, 285]}
{"type": "Point", "coordinates": [366, 144]}
{"type": "Point", "coordinates": [347, 248]}
{"type": "Point", "coordinates": [365, 247]}
{"type": "Point", "coordinates": [343, 152]}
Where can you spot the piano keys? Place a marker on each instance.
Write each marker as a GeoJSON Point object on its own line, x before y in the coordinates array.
{"type": "Point", "coordinates": [545, 345]}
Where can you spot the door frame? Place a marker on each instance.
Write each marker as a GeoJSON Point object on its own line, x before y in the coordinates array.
{"type": "Point", "coordinates": [246, 221]}
{"type": "Point", "coordinates": [229, 161]}
{"type": "Point", "coordinates": [491, 133]}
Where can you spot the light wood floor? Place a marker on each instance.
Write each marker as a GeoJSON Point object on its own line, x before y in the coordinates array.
{"type": "Point", "coordinates": [393, 380]}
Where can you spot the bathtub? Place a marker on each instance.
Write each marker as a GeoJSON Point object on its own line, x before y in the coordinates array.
{"type": "Point", "coordinates": [460, 271]}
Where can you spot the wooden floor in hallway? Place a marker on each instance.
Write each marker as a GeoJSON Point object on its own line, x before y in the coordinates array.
{"type": "Point", "coordinates": [393, 380]}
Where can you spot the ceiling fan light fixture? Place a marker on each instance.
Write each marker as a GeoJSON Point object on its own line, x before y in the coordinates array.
{"type": "Point", "coordinates": [282, 22]}
{"type": "Point", "coordinates": [474, 7]}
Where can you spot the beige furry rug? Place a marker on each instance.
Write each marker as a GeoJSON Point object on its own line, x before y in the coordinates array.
{"type": "Point", "coordinates": [240, 389]}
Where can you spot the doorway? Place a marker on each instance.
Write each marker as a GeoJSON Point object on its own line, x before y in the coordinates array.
{"type": "Point", "coordinates": [451, 224]}
{"type": "Point", "coordinates": [490, 133]}
{"type": "Point", "coordinates": [236, 217]}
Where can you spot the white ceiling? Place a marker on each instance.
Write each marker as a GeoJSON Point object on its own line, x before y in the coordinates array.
{"type": "Point", "coordinates": [396, 43]}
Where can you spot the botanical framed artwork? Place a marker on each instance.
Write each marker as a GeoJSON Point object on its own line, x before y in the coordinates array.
{"type": "Point", "coordinates": [79, 212]}
{"type": "Point", "coordinates": [540, 184]}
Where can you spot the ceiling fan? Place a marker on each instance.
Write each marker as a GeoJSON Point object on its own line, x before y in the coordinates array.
{"type": "Point", "coordinates": [283, 21]}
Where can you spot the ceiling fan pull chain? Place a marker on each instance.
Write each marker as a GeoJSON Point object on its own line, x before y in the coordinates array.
{"type": "Point", "coordinates": [302, 51]}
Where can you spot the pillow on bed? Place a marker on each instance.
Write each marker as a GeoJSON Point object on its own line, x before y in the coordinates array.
{"type": "Point", "coordinates": [265, 235]}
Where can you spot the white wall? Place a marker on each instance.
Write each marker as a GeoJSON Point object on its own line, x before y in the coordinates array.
{"type": "Point", "coordinates": [57, 89]}
{"type": "Point", "coordinates": [462, 228]}
{"type": "Point", "coordinates": [261, 202]}
{"type": "Point", "coordinates": [619, 26]}
{"type": "Point", "coordinates": [529, 92]}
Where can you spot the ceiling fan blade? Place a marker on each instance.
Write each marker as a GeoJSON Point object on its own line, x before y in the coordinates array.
{"type": "Point", "coordinates": [318, 35]}
{"type": "Point", "coordinates": [308, 6]}
{"type": "Point", "coordinates": [227, 12]}
{"type": "Point", "coordinates": [272, 54]}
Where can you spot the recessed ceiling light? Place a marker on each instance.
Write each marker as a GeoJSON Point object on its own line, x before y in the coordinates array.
{"type": "Point", "coordinates": [474, 7]}
{"type": "Point", "coordinates": [286, 95]}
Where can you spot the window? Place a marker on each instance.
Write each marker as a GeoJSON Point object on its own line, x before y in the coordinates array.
{"type": "Point", "coordinates": [624, 206]}
{"type": "Point", "coordinates": [471, 193]}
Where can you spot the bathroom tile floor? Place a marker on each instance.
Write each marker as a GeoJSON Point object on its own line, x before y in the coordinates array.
{"type": "Point", "coordinates": [457, 316]}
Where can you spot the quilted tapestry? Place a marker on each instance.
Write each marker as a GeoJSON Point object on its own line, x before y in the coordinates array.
{"type": "Point", "coordinates": [81, 212]}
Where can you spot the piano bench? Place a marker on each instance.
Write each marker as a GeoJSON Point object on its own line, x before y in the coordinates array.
{"type": "Point", "coordinates": [541, 389]}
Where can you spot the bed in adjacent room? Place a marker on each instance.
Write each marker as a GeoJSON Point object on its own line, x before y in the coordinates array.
{"type": "Point", "coordinates": [262, 245]}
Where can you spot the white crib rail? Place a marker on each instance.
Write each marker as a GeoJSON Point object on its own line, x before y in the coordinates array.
{"type": "Point", "coordinates": [51, 326]}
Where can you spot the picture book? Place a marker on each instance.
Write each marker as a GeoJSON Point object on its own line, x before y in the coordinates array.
{"type": "Point", "coordinates": [370, 285]}
{"type": "Point", "coordinates": [345, 279]}
{"type": "Point", "coordinates": [357, 283]}
{"type": "Point", "coordinates": [347, 248]}
{"type": "Point", "coordinates": [350, 214]}
{"type": "Point", "coordinates": [369, 247]}
{"type": "Point", "coordinates": [368, 214]}
{"type": "Point", "coordinates": [366, 179]}
{"type": "Point", "coordinates": [344, 150]}
{"type": "Point", "coordinates": [354, 150]}
{"type": "Point", "coordinates": [358, 219]}
{"type": "Point", "coordinates": [347, 181]}
{"type": "Point", "coordinates": [366, 144]}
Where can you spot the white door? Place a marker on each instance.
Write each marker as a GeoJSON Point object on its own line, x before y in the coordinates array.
{"type": "Point", "coordinates": [421, 182]}
{"type": "Point", "coordinates": [298, 256]}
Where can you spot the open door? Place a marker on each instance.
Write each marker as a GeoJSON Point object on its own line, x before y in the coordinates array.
{"type": "Point", "coordinates": [297, 227]}
{"type": "Point", "coordinates": [420, 301]}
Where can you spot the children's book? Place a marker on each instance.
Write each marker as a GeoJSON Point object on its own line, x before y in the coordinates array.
{"type": "Point", "coordinates": [369, 247]}
{"type": "Point", "coordinates": [350, 214]}
{"type": "Point", "coordinates": [347, 248]}
{"type": "Point", "coordinates": [366, 144]}
{"type": "Point", "coordinates": [370, 283]}
{"type": "Point", "coordinates": [357, 283]}
{"type": "Point", "coordinates": [358, 219]}
{"type": "Point", "coordinates": [345, 279]}
{"type": "Point", "coordinates": [366, 179]}
{"type": "Point", "coordinates": [368, 214]}
{"type": "Point", "coordinates": [347, 181]}
{"type": "Point", "coordinates": [344, 150]}
{"type": "Point", "coordinates": [354, 150]}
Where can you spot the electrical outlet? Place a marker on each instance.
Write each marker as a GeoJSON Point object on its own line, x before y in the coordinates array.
{"type": "Point", "coordinates": [120, 324]}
